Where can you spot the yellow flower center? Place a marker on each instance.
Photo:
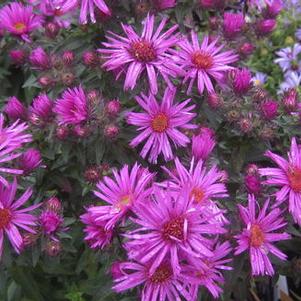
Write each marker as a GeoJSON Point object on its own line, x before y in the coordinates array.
{"type": "Point", "coordinates": [19, 26]}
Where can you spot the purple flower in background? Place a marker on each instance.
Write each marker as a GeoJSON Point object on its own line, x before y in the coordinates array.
{"type": "Point", "coordinates": [170, 226]}
{"type": "Point", "coordinates": [149, 52]}
{"type": "Point", "coordinates": [160, 284]}
{"type": "Point", "coordinates": [288, 58]}
{"type": "Point", "coordinates": [72, 107]}
{"type": "Point", "coordinates": [39, 59]}
{"type": "Point", "coordinates": [30, 160]}
{"type": "Point", "coordinates": [204, 62]}
{"type": "Point", "coordinates": [265, 26]}
{"type": "Point", "coordinates": [273, 8]}
{"type": "Point", "coordinates": [160, 124]}
{"type": "Point", "coordinates": [40, 111]}
{"type": "Point", "coordinates": [291, 80]}
{"type": "Point", "coordinates": [259, 234]}
{"type": "Point", "coordinates": [287, 176]}
{"type": "Point", "coordinates": [15, 109]}
{"type": "Point", "coordinates": [269, 109]}
{"type": "Point", "coordinates": [88, 7]}
{"type": "Point", "coordinates": [12, 138]}
{"type": "Point", "coordinates": [19, 20]}
{"type": "Point", "coordinates": [12, 218]}
{"type": "Point", "coordinates": [233, 24]}
{"type": "Point", "coordinates": [129, 189]}
{"type": "Point", "coordinates": [259, 79]}
{"type": "Point", "coordinates": [242, 81]}
{"type": "Point", "coordinates": [97, 237]}
{"type": "Point", "coordinates": [50, 222]}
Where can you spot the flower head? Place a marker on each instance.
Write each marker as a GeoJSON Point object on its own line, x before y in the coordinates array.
{"type": "Point", "coordinates": [288, 58]}
{"type": "Point", "coordinates": [15, 109]}
{"type": "Point", "coordinates": [12, 217]}
{"type": "Point", "coordinates": [204, 62]}
{"type": "Point", "coordinates": [50, 221]}
{"type": "Point", "coordinates": [160, 124]}
{"type": "Point", "coordinates": [170, 226]}
{"type": "Point", "coordinates": [39, 59]}
{"type": "Point", "coordinates": [88, 6]}
{"type": "Point", "coordinates": [40, 111]}
{"type": "Point", "coordinates": [12, 138]}
{"type": "Point", "coordinates": [130, 188]}
{"type": "Point", "coordinates": [287, 176]}
{"type": "Point", "coordinates": [233, 24]}
{"type": "Point", "coordinates": [269, 109]}
{"type": "Point", "coordinates": [242, 81]}
{"type": "Point", "coordinates": [150, 52]}
{"type": "Point", "coordinates": [19, 20]}
{"type": "Point", "coordinates": [259, 234]}
{"type": "Point", "coordinates": [30, 160]}
{"type": "Point", "coordinates": [72, 107]}
{"type": "Point", "coordinates": [97, 236]}
{"type": "Point", "coordinates": [259, 79]}
{"type": "Point", "coordinates": [265, 26]}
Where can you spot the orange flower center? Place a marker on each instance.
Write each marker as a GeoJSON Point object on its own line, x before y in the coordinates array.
{"type": "Point", "coordinates": [162, 274]}
{"type": "Point", "coordinates": [257, 236]}
{"type": "Point", "coordinates": [174, 228]}
{"type": "Point", "coordinates": [197, 194]}
{"type": "Point", "coordinates": [294, 178]}
{"type": "Point", "coordinates": [143, 51]}
{"type": "Point", "coordinates": [202, 60]}
{"type": "Point", "coordinates": [160, 123]}
{"type": "Point", "coordinates": [19, 26]}
{"type": "Point", "coordinates": [5, 217]}
{"type": "Point", "coordinates": [124, 201]}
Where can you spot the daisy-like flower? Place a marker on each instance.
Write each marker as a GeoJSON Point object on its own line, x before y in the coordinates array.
{"type": "Point", "coordinates": [129, 189]}
{"type": "Point", "coordinates": [204, 62]}
{"type": "Point", "coordinates": [259, 79]}
{"type": "Point", "coordinates": [12, 218]}
{"type": "Point", "coordinates": [170, 226]}
{"type": "Point", "coordinates": [258, 236]}
{"type": "Point", "coordinates": [289, 58]}
{"type": "Point", "coordinates": [88, 6]}
{"type": "Point", "coordinates": [287, 176]}
{"type": "Point", "coordinates": [209, 275]}
{"type": "Point", "coordinates": [162, 284]}
{"type": "Point", "coordinates": [291, 80]}
{"type": "Point", "coordinates": [150, 52]}
{"type": "Point", "coordinates": [160, 123]}
{"type": "Point", "coordinates": [97, 236]}
{"type": "Point", "coordinates": [203, 185]}
{"type": "Point", "coordinates": [19, 20]}
{"type": "Point", "coordinates": [12, 138]}
{"type": "Point", "coordinates": [72, 107]}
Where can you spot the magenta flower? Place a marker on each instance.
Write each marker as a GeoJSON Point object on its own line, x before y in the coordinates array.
{"type": "Point", "coordinates": [12, 138]}
{"type": "Point", "coordinates": [160, 124]}
{"type": "Point", "coordinates": [204, 62]}
{"type": "Point", "coordinates": [209, 275]}
{"type": "Point", "coordinates": [40, 111]}
{"type": "Point", "coordinates": [203, 185]}
{"type": "Point", "coordinates": [242, 81]}
{"type": "Point", "coordinates": [129, 189]}
{"type": "Point", "coordinates": [266, 26]}
{"type": "Point", "coordinates": [269, 109]}
{"type": "Point", "coordinates": [171, 226]}
{"type": "Point", "coordinates": [288, 176]}
{"type": "Point", "coordinates": [162, 284]}
{"type": "Point", "coordinates": [233, 24]}
{"type": "Point", "coordinates": [39, 59]}
{"type": "Point", "coordinates": [15, 109]}
{"type": "Point", "coordinates": [88, 6]}
{"type": "Point", "coordinates": [253, 183]}
{"type": "Point", "coordinates": [258, 236]}
{"type": "Point", "coordinates": [149, 52]}
{"type": "Point", "coordinates": [97, 236]}
{"type": "Point", "coordinates": [203, 144]}
{"type": "Point", "coordinates": [12, 218]}
{"type": "Point", "coordinates": [19, 20]}
{"type": "Point", "coordinates": [72, 107]}
{"type": "Point", "coordinates": [30, 160]}
{"type": "Point", "coordinates": [50, 221]}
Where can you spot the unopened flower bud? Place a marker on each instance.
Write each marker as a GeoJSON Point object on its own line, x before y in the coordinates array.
{"type": "Point", "coordinates": [246, 49]}
{"type": "Point", "coordinates": [62, 132]}
{"type": "Point", "coordinates": [30, 160]}
{"type": "Point", "coordinates": [53, 204]}
{"type": "Point", "coordinates": [269, 109]}
{"type": "Point", "coordinates": [15, 109]}
{"type": "Point", "coordinates": [53, 248]}
{"type": "Point", "coordinates": [113, 107]}
{"type": "Point", "coordinates": [81, 131]}
{"type": "Point", "coordinates": [68, 57]}
{"type": "Point", "coordinates": [39, 59]}
{"type": "Point", "coordinates": [214, 101]}
{"type": "Point", "coordinates": [68, 78]}
{"type": "Point", "coordinates": [90, 58]}
{"type": "Point", "coordinates": [253, 184]}
{"type": "Point", "coordinates": [290, 100]}
{"type": "Point", "coordinates": [245, 125]}
{"type": "Point", "coordinates": [265, 27]}
{"type": "Point", "coordinates": [17, 56]}
{"type": "Point", "coordinates": [92, 174]}
{"type": "Point", "coordinates": [45, 81]}
{"type": "Point", "coordinates": [111, 131]}
{"type": "Point", "coordinates": [51, 30]}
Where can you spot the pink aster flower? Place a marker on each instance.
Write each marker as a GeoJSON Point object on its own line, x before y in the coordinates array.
{"type": "Point", "coordinates": [88, 6]}
{"type": "Point", "coordinates": [72, 107]}
{"type": "Point", "coordinates": [160, 123]}
{"type": "Point", "coordinates": [15, 109]}
{"type": "Point", "coordinates": [50, 222]}
{"type": "Point", "coordinates": [161, 284]}
{"type": "Point", "coordinates": [204, 62]}
{"type": "Point", "coordinates": [259, 234]}
{"type": "Point", "coordinates": [209, 275]}
{"type": "Point", "coordinates": [19, 20]}
{"type": "Point", "coordinates": [203, 144]}
{"type": "Point", "coordinates": [169, 226]}
{"type": "Point", "coordinates": [287, 176]}
{"type": "Point", "coordinates": [203, 185]}
{"type": "Point", "coordinates": [12, 217]}
{"type": "Point", "coordinates": [40, 111]}
{"type": "Point", "coordinates": [122, 195]}
{"type": "Point", "coordinates": [96, 236]}
{"type": "Point", "coordinates": [30, 160]}
{"type": "Point", "coordinates": [233, 24]}
{"type": "Point", "coordinates": [12, 138]}
{"type": "Point", "coordinates": [148, 52]}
